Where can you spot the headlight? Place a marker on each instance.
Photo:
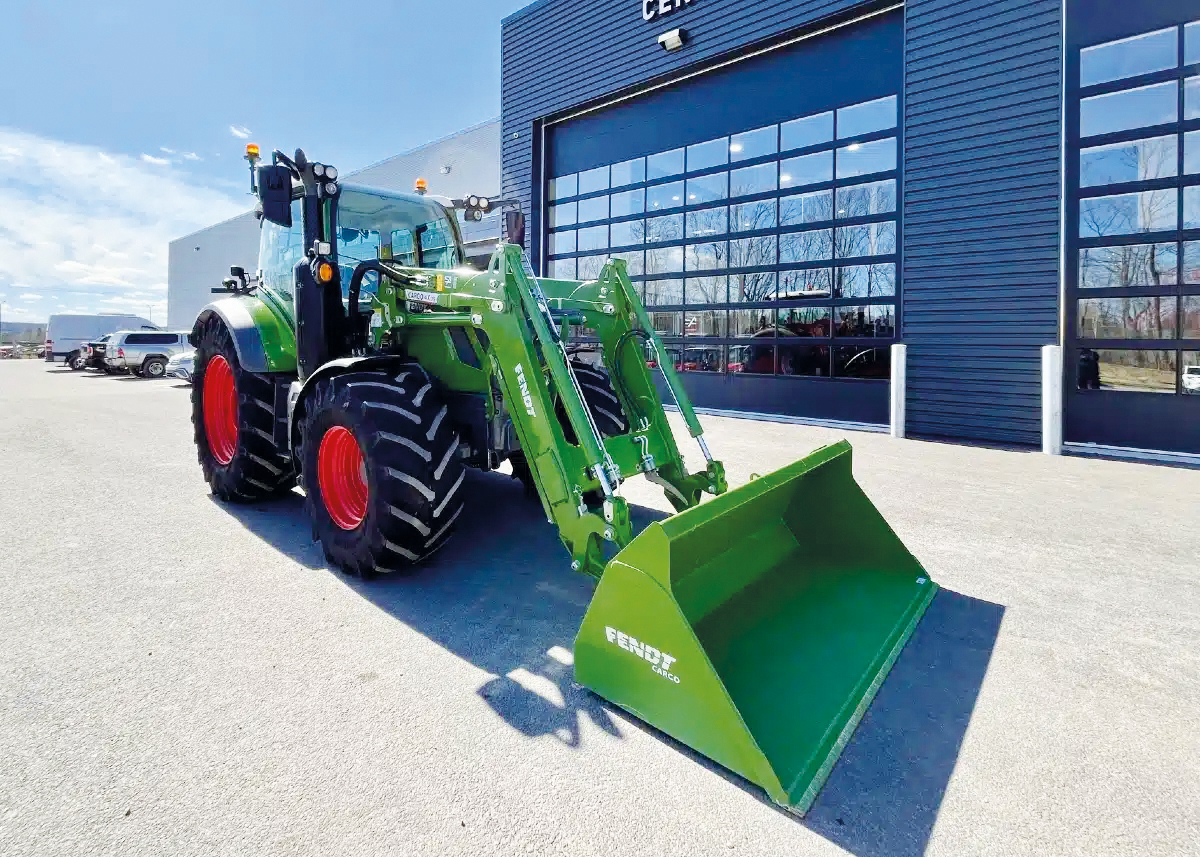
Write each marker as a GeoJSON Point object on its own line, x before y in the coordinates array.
{"type": "Point", "coordinates": [473, 201]}
{"type": "Point", "coordinates": [318, 171]}
{"type": "Point", "coordinates": [331, 189]}
{"type": "Point", "coordinates": [485, 203]}
{"type": "Point", "coordinates": [330, 173]}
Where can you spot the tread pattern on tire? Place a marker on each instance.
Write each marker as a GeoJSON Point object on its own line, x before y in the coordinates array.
{"type": "Point", "coordinates": [601, 400]}
{"type": "Point", "coordinates": [257, 470]}
{"type": "Point", "coordinates": [414, 471]}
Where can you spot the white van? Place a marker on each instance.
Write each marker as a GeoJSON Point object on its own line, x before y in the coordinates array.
{"type": "Point", "coordinates": [67, 332]}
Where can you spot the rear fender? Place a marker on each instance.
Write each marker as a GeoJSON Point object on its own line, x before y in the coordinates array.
{"type": "Point", "coordinates": [264, 341]}
{"type": "Point", "coordinates": [300, 392]}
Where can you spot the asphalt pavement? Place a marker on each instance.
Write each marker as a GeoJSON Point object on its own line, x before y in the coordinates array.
{"type": "Point", "coordinates": [178, 676]}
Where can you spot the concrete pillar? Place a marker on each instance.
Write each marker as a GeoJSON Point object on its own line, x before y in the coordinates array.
{"type": "Point", "coordinates": [899, 387]}
{"type": "Point", "coordinates": [1052, 399]}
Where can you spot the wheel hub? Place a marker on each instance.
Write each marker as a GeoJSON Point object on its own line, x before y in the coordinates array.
{"type": "Point", "coordinates": [342, 477]}
{"type": "Point", "coordinates": [220, 409]}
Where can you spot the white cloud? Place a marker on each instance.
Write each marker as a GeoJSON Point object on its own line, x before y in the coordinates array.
{"type": "Point", "coordinates": [85, 228]}
{"type": "Point", "coordinates": [240, 131]}
{"type": "Point", "coordinates": [165, 149]}
{"type": "Point", "coordinates": [29, 297]}
{"type": "Point", "coordinates": [192, 156]}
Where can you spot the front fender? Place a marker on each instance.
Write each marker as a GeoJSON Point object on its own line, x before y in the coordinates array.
{"type": "Point", "coordinates": [264, 342]}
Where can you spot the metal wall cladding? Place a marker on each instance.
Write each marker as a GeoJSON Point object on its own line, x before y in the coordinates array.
{"type": "Point", "coordinates": [556, 56]}
{"type": "Point", "coordinates": [981, 213]}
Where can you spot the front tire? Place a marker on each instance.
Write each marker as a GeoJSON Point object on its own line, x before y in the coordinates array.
{"type": "Point", "coordinates": [381, 470]}
{"type": "Point", "coordinates": [233, 421]}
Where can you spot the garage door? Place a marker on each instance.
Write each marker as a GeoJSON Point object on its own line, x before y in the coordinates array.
{"type": "Point", "coordinates": [755, 205]}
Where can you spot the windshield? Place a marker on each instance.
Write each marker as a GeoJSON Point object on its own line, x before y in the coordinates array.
{"type": "Point", "coordinates": [376, 224]}
{"type": "Point", "coordinates": [1192, 370]}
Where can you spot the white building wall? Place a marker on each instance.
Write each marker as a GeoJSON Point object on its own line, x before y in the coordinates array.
{"type": "Point", "coordinates": [463, 163]}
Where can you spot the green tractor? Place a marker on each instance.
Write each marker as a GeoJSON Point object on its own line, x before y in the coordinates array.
{"type": "Point", "coordinates": [367, 362]}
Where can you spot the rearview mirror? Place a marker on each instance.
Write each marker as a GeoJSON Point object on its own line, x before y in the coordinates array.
{"type": "Point", "coordinates": [514, 227]}
{"type": "Point", "coordinates": [275, 194]}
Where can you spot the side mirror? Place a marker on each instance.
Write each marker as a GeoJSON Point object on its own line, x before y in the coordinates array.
{"type": "Point", "coordinates": [238, 271]}
{"type": "Point", "coordinates": [275, 193]}
{"type": "Point", "coordinates": [514, 227]}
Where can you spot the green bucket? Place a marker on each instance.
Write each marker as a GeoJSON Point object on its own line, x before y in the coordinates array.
{"type": "Point", "coordinates": [757, 627]}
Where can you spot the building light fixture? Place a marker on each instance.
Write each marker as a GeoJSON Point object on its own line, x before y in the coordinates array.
{"type": "Point", "coordinates": [672, 40]}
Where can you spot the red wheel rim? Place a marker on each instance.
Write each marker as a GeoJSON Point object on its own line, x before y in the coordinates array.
{"type": "Point", "coordinates": [220, 409]}
{"type": "Point", "coordinates": [342, 477]}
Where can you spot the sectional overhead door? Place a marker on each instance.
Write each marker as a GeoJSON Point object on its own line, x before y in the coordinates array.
{"type": "Point", "coordinates": [755, 206]}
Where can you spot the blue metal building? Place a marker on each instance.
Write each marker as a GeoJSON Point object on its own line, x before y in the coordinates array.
{"type": "Point", "coordinates": [797, 185]}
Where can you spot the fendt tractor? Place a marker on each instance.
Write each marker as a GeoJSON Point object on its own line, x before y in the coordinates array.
{"type": "Point", "coordinates": [367, 362]}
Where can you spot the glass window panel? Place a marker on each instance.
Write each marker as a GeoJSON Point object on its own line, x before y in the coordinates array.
{"type": "Point", "coordinates": [1191, 98]}
{"type": "Point", "coordinates": [1129, 108]}
{"type": "Point", "coordinates": [664, 196]}
{"type": "Point", "coordinates": [1191, 207]}
{"type": "Point", "coordinates": [1134, 265]}
{"type": "Point", "coordinates": [752, 215]}
{"type": "Point", "coordinates": [562, 214]}
{"type": "Point", "coordinates": [806, 208]}
{"type": "Point", "coordinates": [758, 359]}
{"type": "Point", "coordinates": [864, 118]}
{"type": "Point", "coordinates": [1189, 318]}
{"type": "Point", "coordinates": [705, 322]}
{"type": "Point", "coordinates": [1127, 318]}
{"type": "Point", "coordinates": [1135, 161]}
{"type": "Point", "coordinates": [590, 266]}
{"type": "Point", "coordinates": [701, 156]}
{"type": "Point", "coordinates": [1191, 152]}
{"type": "Point", "coordinates": [1191, 373]}
{"type": "Point", "coordinates": [667, 228]}
{"type": "Point", "coordinates": [813, 321]}
{"type": "Point", "coordinates": [593, 180]}
{"type": "Point", "coordinates": [813, 246]}
{"type": "Point", "coordinates": [752, 252]}
{"type": "Point", "coordinates": [562, 242]}
{"type": "Point", "coordinates": [878, 320]}
{"type": "Point", "coordinates": [707, 189]}
{"type": "Point", "coordinates": [1141, 371]}
{"type": "Point", "coordinates": [710, 256]}
{"type": "Point", "coordinates": [664, 292]}
{"type": "Point", "coordinates": [810, 283]}
{"type": "Point", "coordinates": [746, 288]}
{"type": "Point", "coordinates": [708, 221]}
{"type": "Point", "coordinates": [750, 180]}
{"type": "Point", "coordinates": [562, 269]}
{"type": "Point", "coordinates": [809, 360]}
{"type": "Point", "coordinates": [865, 281]}
{"type": "Point", "coordinates": [667, 323]}
{"type": "Point", "coordinates": [627, 202]}
{"type": "Point", "coordinates": [627, 233]}
{"type": "Point", "coordinates": [634, 261]}
{"type": "Point", "coordinates": [593, 209]}
{"type": "Point", "coordinates": [869, 239]}
{"type": "Point", "coordinates": [1135, 55]}
{"type": "Point", "coordinates": [757, 323]}
{"type": "Point", "coordinates": [1191, 262]}
{"type": "Point", "coordinates": [563, 187]}
{"type": "Point", "coordinates": [808, 131]}
{"type": "Point", "coordinates": [1128, 213]}
{"type": "Point", "coordinates": [863, 200]}
{"type": "Point", "coordinates": [665, 260]}
{"type": "Point", "coordinates": [859, 159]}
{"type": "Point", "coordinates": [1191, 43]}
{"type": "Point", "coordinates": [856, 362]}
{"type": "Point", "coordinates": [707, 290]}
{"type": "Point", "coordinates": [807, 169]}
{"type": "Point", "coordinates": [754, 144]}
{"type": "Point", "coordinates": [593, 238]}
{"type": "Point", "coordinates": [664, 164]}
{"type": "Point", "coordinates": [629, 172]}
{"type": "Point", "coordinates": [702, 358]}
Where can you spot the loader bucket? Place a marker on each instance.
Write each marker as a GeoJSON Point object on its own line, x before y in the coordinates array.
{"type": "Point", "coordinates": [757, 627]}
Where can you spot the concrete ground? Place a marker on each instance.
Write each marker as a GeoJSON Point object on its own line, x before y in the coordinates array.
{"type": "Point", "coordinates": [182, 677]}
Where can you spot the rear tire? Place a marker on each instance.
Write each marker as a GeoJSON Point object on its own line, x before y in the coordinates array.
{"type": "Point", "coordinates": [155, 367]}
{"type": "Point", "coordinates": [405, 446]}
{"type": "Point", "coordinates": [233, 422]}
{"type": "Point", "coordinates": [76, 361]}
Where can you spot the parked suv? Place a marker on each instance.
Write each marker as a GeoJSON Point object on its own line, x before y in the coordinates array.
{"type": "Point", "coordinates": [143, 352]}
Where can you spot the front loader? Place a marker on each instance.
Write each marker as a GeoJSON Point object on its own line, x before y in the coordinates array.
{"type": "Point", "coordinates": [368, 363]}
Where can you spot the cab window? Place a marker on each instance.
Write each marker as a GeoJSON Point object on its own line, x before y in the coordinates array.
{"type": "Point", "coordinates": [437, 246]}
{"type": "Point", "coordinates": [278, 252]}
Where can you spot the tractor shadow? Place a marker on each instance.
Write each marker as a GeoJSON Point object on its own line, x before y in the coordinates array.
{"type": "Point", "coordinates": [501, 596]}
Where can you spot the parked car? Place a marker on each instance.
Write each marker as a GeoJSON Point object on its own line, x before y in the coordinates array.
{"type": "Point", "coordinates": [67, 333]}
{"type": "Point", "coordinates": [144, 353]}
{"type": "Point", "coordinates": [182, 365]}
{"type": "Point", "coordinates": [93, 353]}
{"type": "Point", "coordinates": [1191, 379]}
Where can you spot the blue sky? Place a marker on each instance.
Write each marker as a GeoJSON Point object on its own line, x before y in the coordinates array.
{"type": "Point", "coordinates": [124, 123]}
